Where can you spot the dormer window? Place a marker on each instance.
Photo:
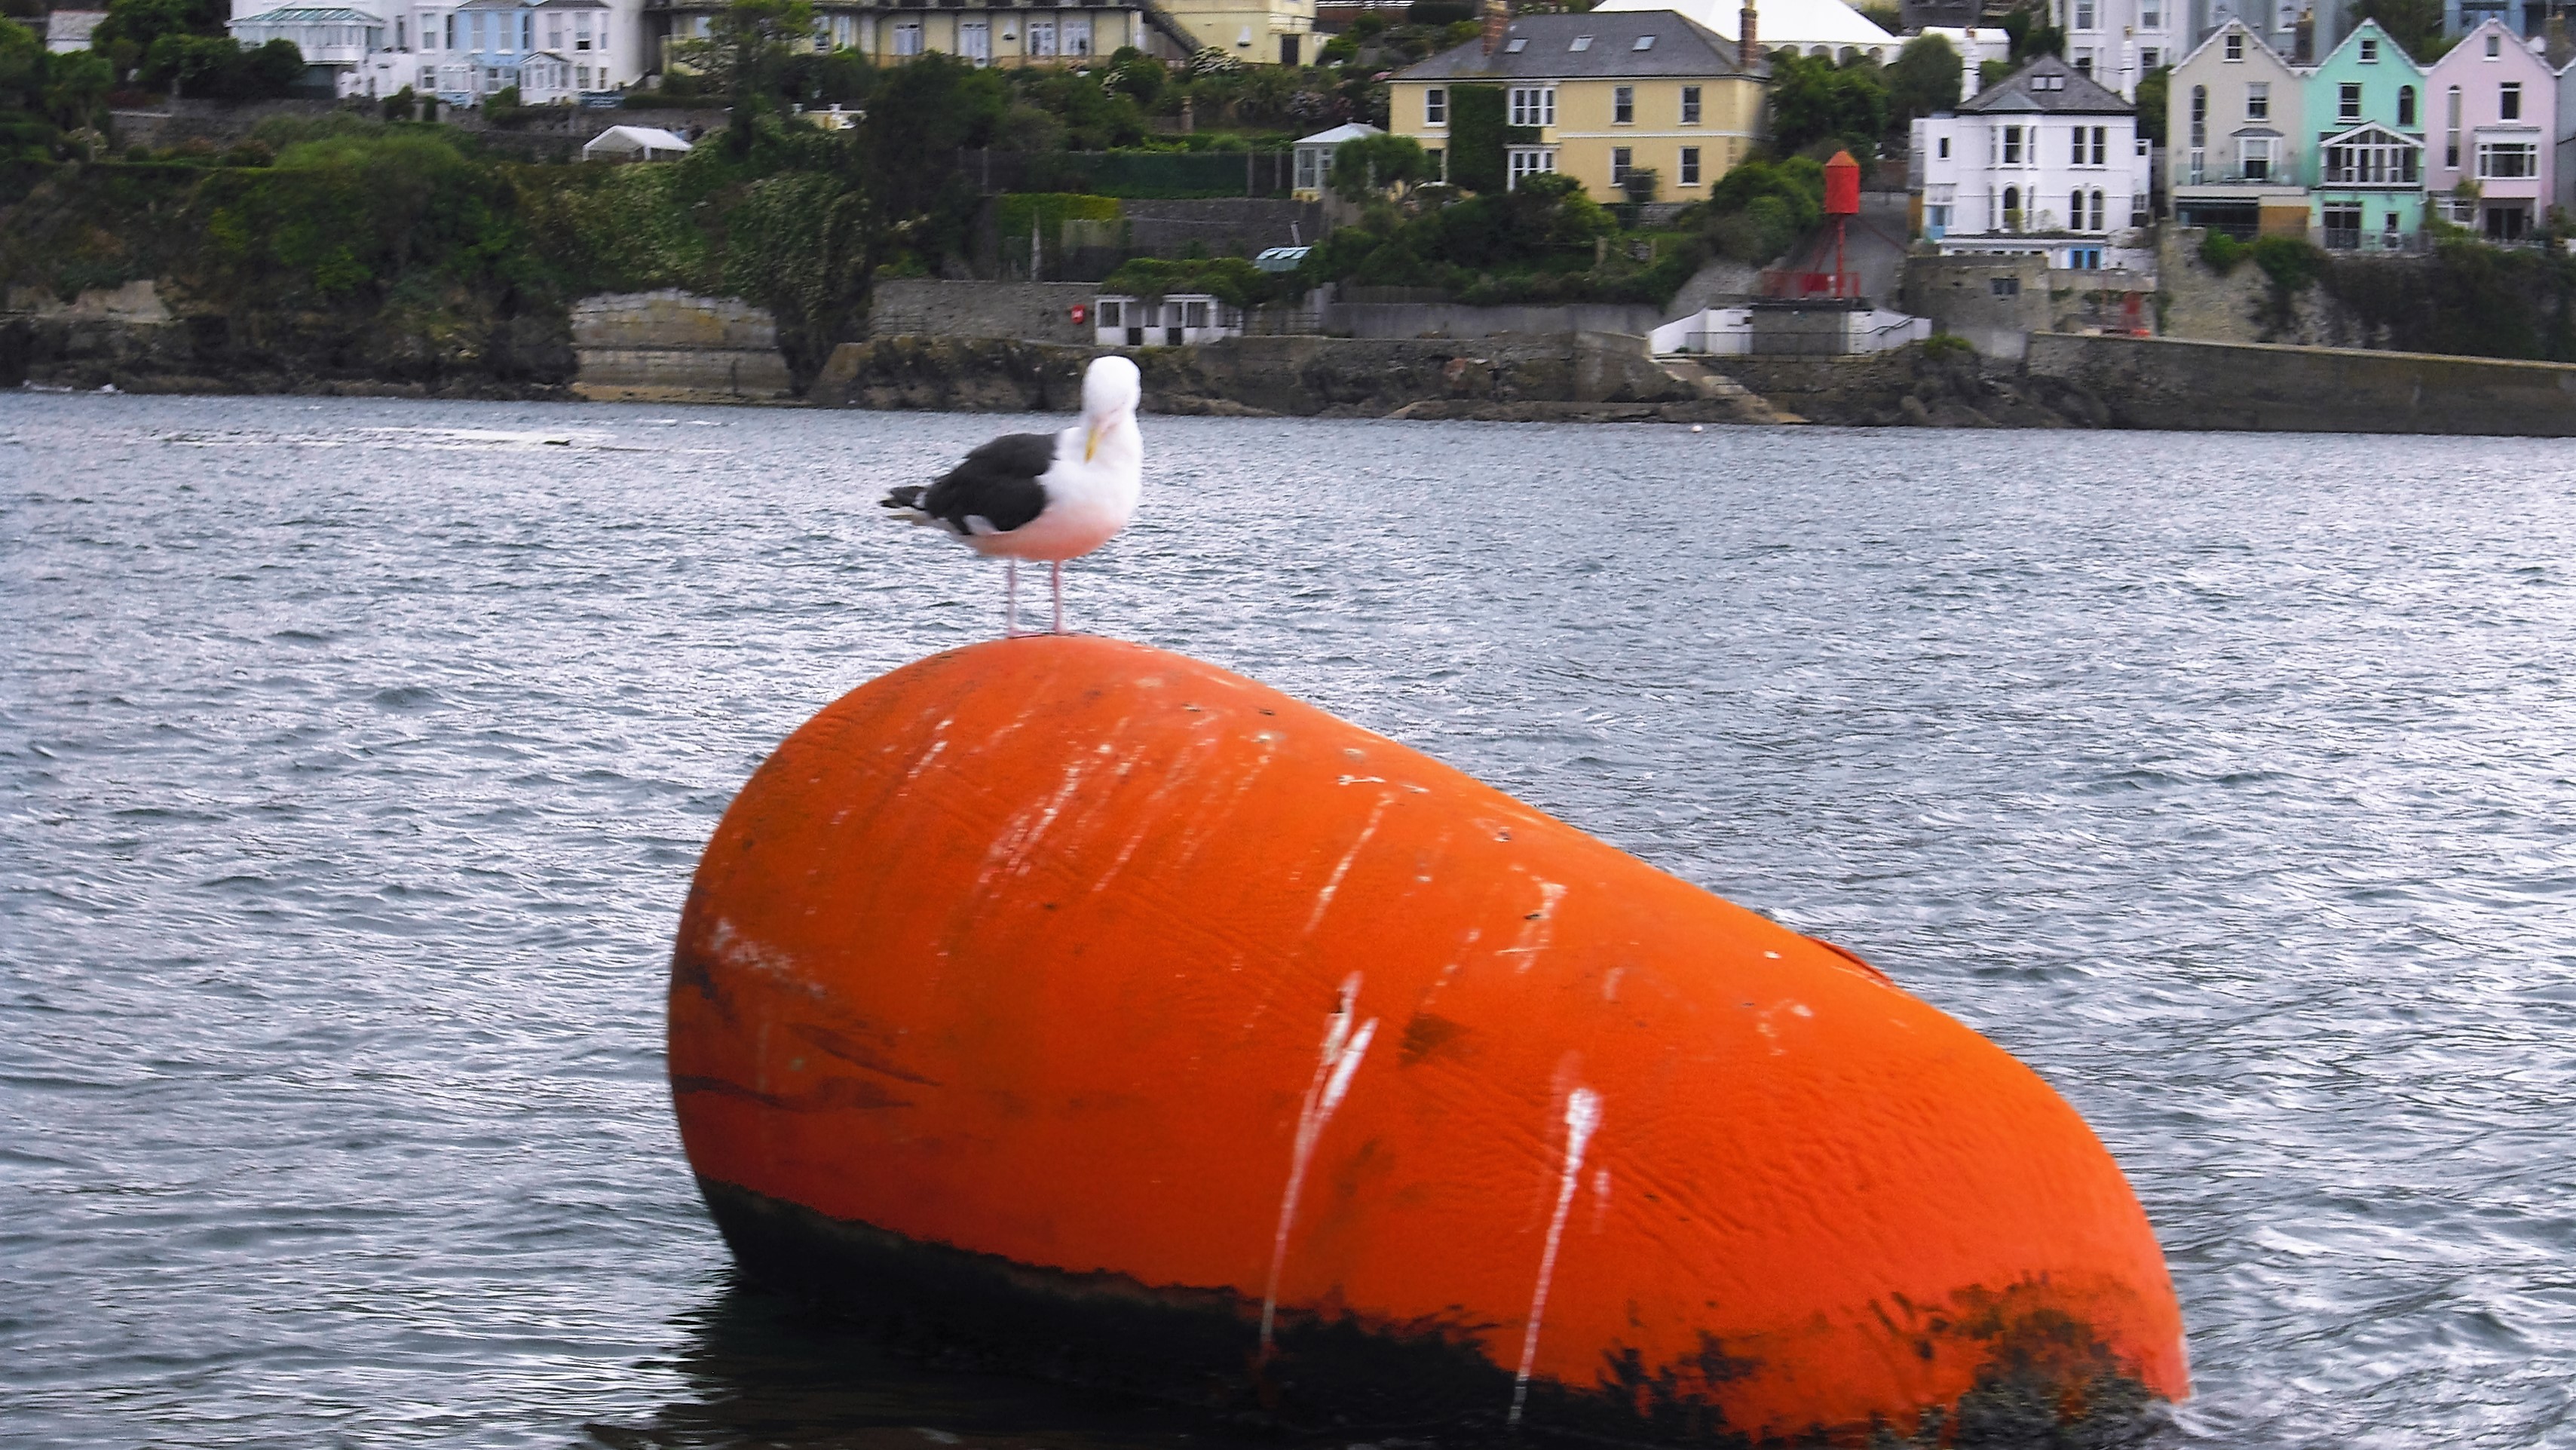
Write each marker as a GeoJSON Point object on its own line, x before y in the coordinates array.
{"type": "Point", "coordinates": [1644, 42]}
{"type": "Point", "coordinates": [2236, 45]}
{"type": "Point", "coordinates": [1516, 44]}
{"type": "Point", "coordinates": [1581, 42]}
{"type": "Point", "coordinates": [2369, 51]}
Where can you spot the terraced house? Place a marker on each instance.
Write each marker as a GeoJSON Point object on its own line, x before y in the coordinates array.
{"type": "Point", "coordinates": [2493, 130]}
{"type": "Point", "coordinates": [1601, 97]}
{"type": "Point", "coordinates": [2233, 137]}
{"type": "Point", "coordinates": [2365, 144]}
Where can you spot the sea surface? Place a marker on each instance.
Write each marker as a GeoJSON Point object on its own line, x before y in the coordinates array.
{"type": "Point", "coordinates": [355, 755]}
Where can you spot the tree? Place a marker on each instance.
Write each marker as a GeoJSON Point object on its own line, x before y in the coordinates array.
{"type": "Point", "coordinates": [1925, 78]}
{"type": "Point", "coordinates": [2416, 25]}
{"type": "Point", "coordinates": [141, 22]}
{"type": "Point", "coordinates": [746, 52]}
{"type": "Point", "coordinates": [1367, 165]}
{"type": "Point", "coordinates": [75, 85]}
{"type": "Point", "coordinates": [2032, 36]}
{"type": "Point", "coordinates": [2155, 94]}
{"type": "Point", "coordinates": [1813, 100]}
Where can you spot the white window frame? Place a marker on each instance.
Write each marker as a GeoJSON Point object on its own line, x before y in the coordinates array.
{"type": "Point", "coordinates": [1623, 159]}
{"type": "Point", "coordinates": [1690, 105]}
{"type": "Point", "coordinates": [1435, 106]}
{"type": "Point", "coordinates": [1521, 161]}
{"type": "Point", "coordinates": [2490, 152]}
{"type": "Point", "coordinates": [1687, 166]}
{"type": "Point", "coordinates": [2258, 100]}
{"type": "Point", "coordinates": [1623, 105]}
{"type": "Point", "coordinates": [1533, 106]}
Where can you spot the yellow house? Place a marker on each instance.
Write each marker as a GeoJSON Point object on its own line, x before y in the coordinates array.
{"type": "Point", "coordinates": [1597, 96]}
{"type": "Point", "coordinates": [1256, 32]}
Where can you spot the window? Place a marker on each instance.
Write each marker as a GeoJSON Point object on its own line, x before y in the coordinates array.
{"type": "Point", "coordinates": [907, 38]}
{"type": "Point", "coordinates": [2075, 212]}
{"type": "Point", "coordinates": [2084, 15]}
{"type": "Point", "coordinates": [1113, 313]}
{"type": "Point", "coordinates": [2495, 45]}
{"type": "Point", "coordinates": [2257, 154]}
{"type": "Point", "coordinates": [1310, 168]}
{"type": "Point", "coordinates": [1517, 44]}
{"type": "Point", "coordinates": [1942, 148]}
{"type": "Point", "coordinates": [2369, 51]}
{"type": "Point", "coordinates": [2342, 225]}
{"type": "Point", "coordinates": [1690, 105]}
{"type": "Point", "coordinates": [1534, 106]}
{"type": "Point", "coordinates": [2139, 214]}
{"type": "Point", "coordinates": [1530, 161]}
{"type": "Point", "coordinates": [1077, 37]}
{"type": "Point", "coordinates": [1435, 106]}
{"type": "Point", "coordinates": [2200, 115]}
{"type": "Point", "coordinates": [2236, 45]}
{"type": "Point", "coordinates": [2258, 101]}
{"type": "Point", "coordinates": [2507, 160]}
{"type": "Point", "coordinates": [2012, 208]}
{"type": "Point", "coordinates": [1644, 42]}
{"type": "Point", "coordinates": [1621, 158]}
{"type": "Point", "coordinates": [1690, 166]}
{"type": "Point", "coordinates": [2076, 156]}
{"type": "Point", "coordinates": [451, 30]}
{"type": "Point", "coordinates": [1936, 218]}
{"type": "Point", "coordinates": [2151, 16]}
{"type": "Point", "coordinates": [1581, 42]}
{"type": "Point", "coordinates": [1623, 105]}
{"type": "Point", "coordinates": [554, 32]}
{"type": "Point", "coordinates": [2370, 163]}
{"type": "Point", "coordinates": [2199, 165]}
{"type": "Point", "coordinates": [2004, 286]}
{"type": "Point", "coordinates": [1439, 160]}
{"type": "Point", "coordinates": [2101, 145]}
{"type": "Point", "coordinates": [2083, 67]}
{"type": "Point", "coordinates": [429, 78]}
{"type": "Point", "coordinates": [2151, 58]}
{"type": "Point", "coordinates": [2012, 146]}
{"type": "Point", "coordinates": [2451, 129]}
{"type": "Point", "coordinates": [2405, 106]}
{"type": "Point", "coordinates": [1037, 39]}
{"type": "Point", "coordinates": [2348, 101]}
{"type": "Point", "coordinates": [2509, 101]}
{"type": "Point", "coordinates": [975, 41]}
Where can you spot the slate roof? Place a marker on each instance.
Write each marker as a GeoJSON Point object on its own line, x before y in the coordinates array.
{"type": "Point", "coordinates": [2047, 86]}
{"type": "Point", "coordinates": [310, 15]}
{"type": "Point", "coordinates": [1681, 48]}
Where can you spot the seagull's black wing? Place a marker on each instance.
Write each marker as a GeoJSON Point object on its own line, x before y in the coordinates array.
{"type": "Point", "coordinates": [997, 483]}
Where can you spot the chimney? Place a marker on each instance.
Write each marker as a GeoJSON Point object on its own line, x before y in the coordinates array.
{"type": "Point", "coordinates": [2560, 49]}
{"type": "Point", "coordinates": [1746, 42]}
{"type": "Point", "coordinates": [1498, 18]}
{"type": "Point", "coordinates": [2303, 38]}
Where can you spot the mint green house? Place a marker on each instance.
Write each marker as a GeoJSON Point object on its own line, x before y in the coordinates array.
{"type": "Point", "coordinates": [2364, 138]}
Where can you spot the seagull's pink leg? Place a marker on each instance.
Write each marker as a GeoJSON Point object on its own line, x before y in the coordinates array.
{"type": "Point", "coordinates": [1055, 576]}
{"type": "Point", "coordinates": [1010, 599]}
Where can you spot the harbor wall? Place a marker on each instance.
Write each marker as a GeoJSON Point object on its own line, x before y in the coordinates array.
{"type": "Point", "coordinates": [2194, 386]}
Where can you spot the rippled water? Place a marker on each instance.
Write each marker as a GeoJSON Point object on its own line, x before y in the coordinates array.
{"type": "Point", "coordinates": [355, 756]}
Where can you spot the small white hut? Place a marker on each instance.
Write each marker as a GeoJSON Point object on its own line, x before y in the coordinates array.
{"type": "Point", "coordinates": [1315, 156]}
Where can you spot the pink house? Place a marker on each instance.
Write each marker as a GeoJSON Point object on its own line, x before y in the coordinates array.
{"type": "Point", "coordinates": [2491, 121]}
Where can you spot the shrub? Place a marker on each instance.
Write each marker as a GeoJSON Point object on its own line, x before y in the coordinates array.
{"type": "Point", "coordinates": [2220, 252]}
{"type": "Point", "coordinates": [2293, 263]}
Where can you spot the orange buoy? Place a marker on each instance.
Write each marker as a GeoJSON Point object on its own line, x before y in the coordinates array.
{"type": "Point", "coordinates": [1130, 1019]}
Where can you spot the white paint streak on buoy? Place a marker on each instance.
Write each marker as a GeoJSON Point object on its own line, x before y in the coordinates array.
{"type": "Point", "coordinates": [1582, 1115]}
{"type": "Point", "coordinates": [1340, 1058]}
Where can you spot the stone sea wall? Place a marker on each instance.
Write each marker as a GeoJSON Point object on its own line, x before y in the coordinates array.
{"type": "Point", "coordinates": [673, 346]}
{"type": "Point", "coordinates": [2172, 383]}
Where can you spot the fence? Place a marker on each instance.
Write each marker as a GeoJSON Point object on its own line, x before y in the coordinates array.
{"type": "Point", "coordinates": [1139, 174]}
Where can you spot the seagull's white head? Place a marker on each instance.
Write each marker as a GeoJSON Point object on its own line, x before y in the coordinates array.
{"type": "Point", "coordinates": [1110, 392]}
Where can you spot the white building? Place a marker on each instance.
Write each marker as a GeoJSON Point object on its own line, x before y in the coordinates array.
{"type": "Point", "coordinates": [1975, 45]}
{"type": "Point", "coordinates": [1827, 28]}
{"type": "Point", "coordinates": [1315, 156]}
{"type": "Point", "coordinates": [465, 50]}
{"type": "Point", "coordinates": [2116, 42]}
{"type": "Point", "coordinates": [332, 38]}
{"type": "Point", "coordinates": [1178, 320]}
{"type": "Point", "coordinates": [2044, 161]}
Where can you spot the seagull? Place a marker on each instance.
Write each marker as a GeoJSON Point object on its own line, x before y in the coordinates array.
{"type": "Point", "coordinates": [1051, 496]}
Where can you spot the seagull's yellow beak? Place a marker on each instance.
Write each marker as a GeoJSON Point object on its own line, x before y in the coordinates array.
{"type": "Point", "coordinates": [1090, 442]}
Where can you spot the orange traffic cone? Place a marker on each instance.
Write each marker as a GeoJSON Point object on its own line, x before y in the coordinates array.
{"type": "Point", "coordinates": [1139, 1023]}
